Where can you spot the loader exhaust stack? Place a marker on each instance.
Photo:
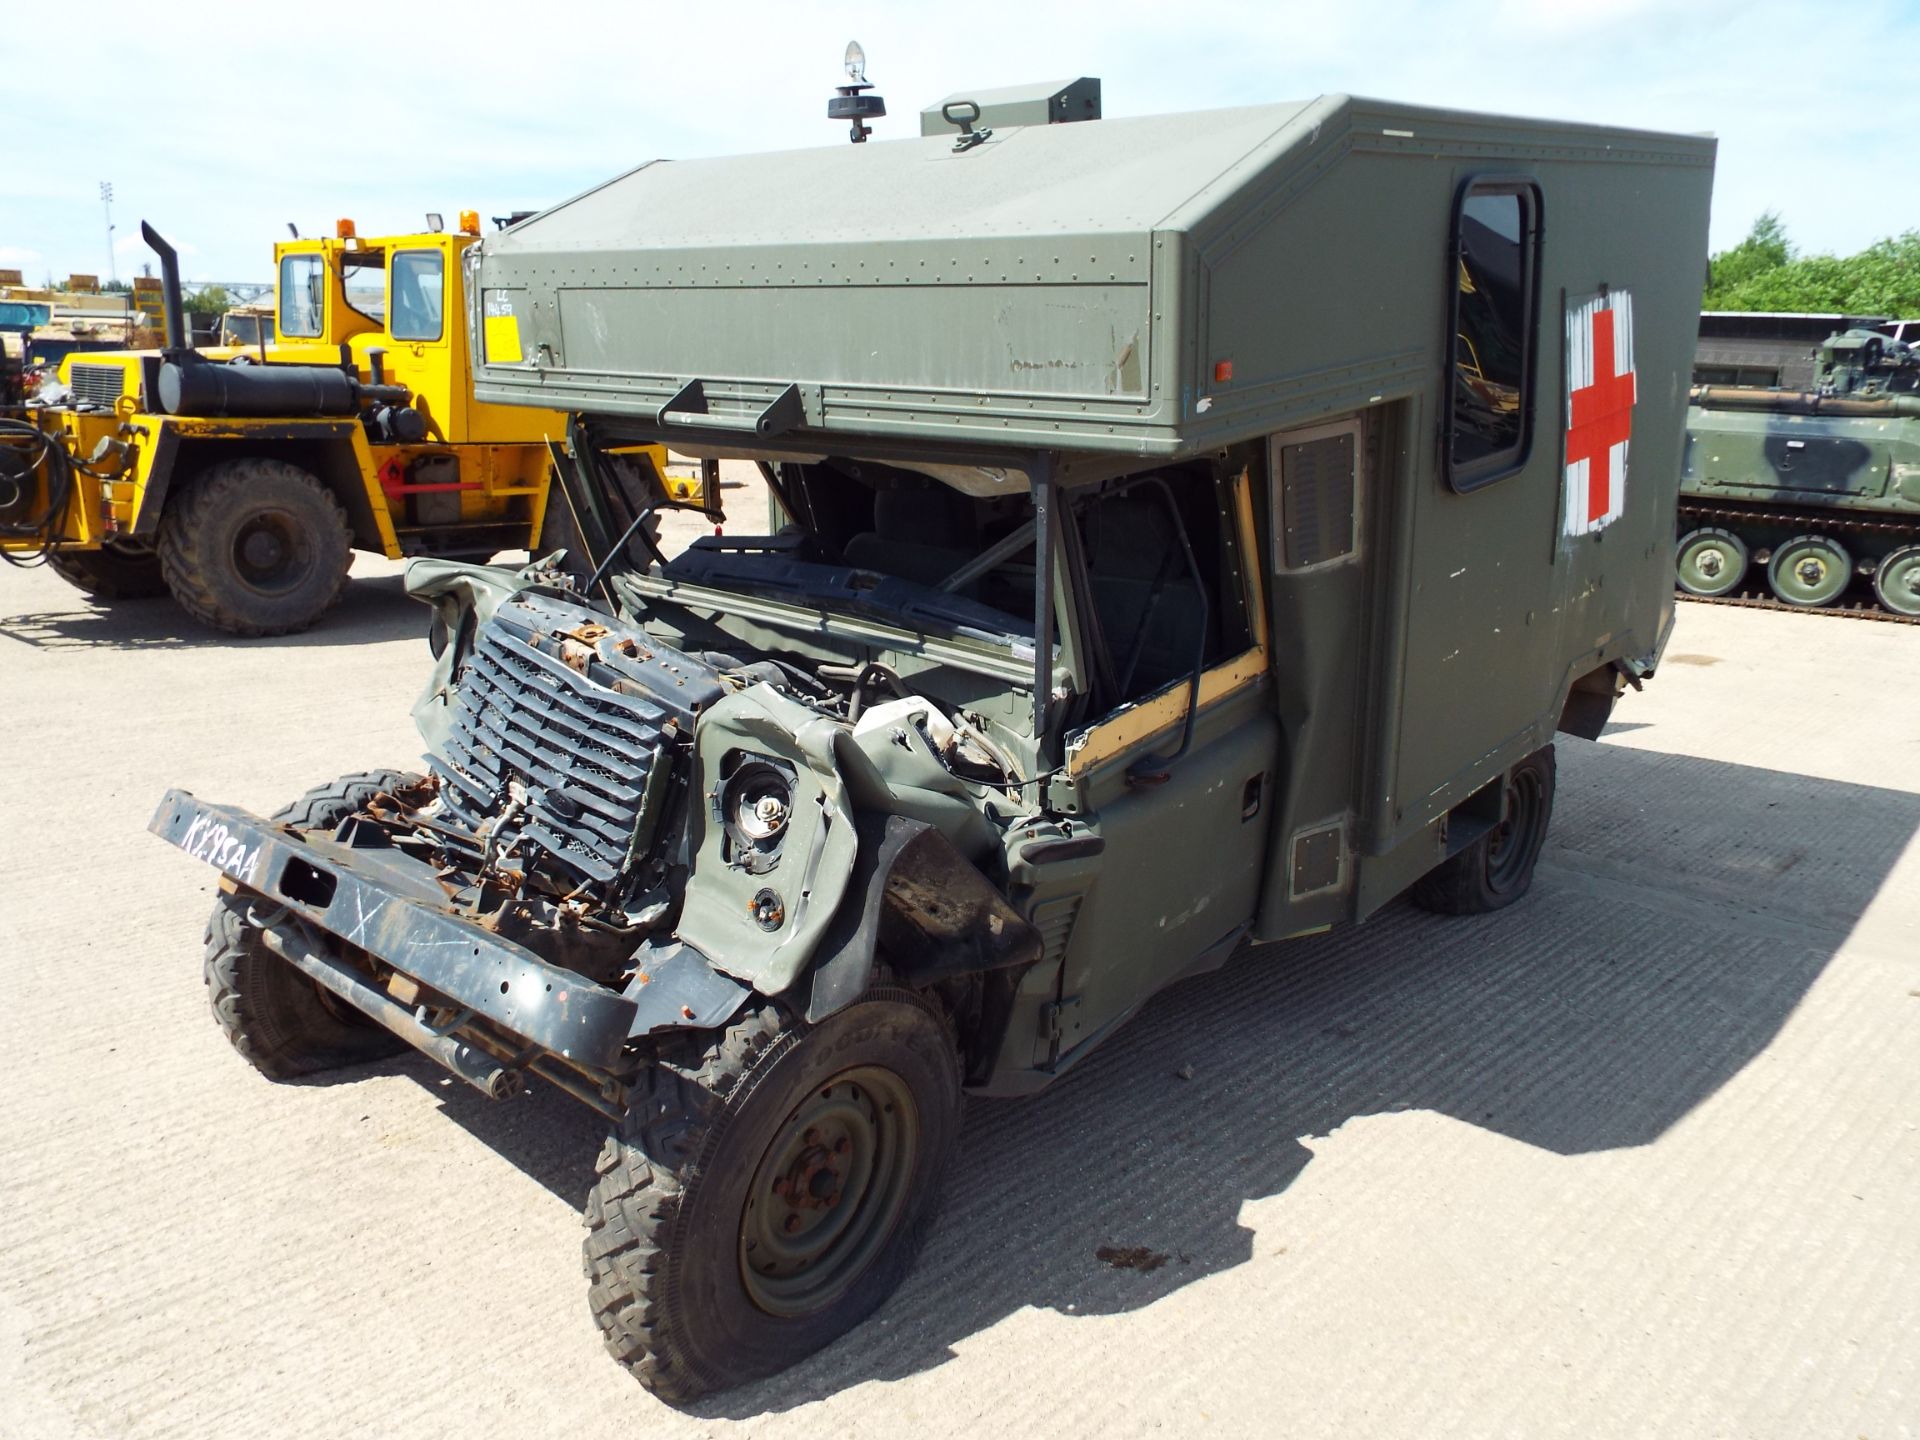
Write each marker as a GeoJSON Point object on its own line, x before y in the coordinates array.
{"type": "Point", "coordinates": [176, 320]}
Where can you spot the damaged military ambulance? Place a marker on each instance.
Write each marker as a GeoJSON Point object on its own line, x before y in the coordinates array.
{"type": "Point", "coordinates": [1193, 531]}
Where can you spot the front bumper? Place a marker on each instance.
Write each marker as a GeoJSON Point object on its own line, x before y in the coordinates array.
{"type": "Point", "coordinates": [393, 910]}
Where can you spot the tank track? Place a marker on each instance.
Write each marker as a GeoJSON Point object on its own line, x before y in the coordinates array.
{"type": "Point", "coordinates": [1731, 517]}
{"type": "Point", "coordinates": [1857, 610]}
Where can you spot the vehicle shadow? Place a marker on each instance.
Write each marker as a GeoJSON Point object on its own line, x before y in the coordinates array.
{"type": "Point", "coordinates": [372, 608]}
{"type": "Point", "coordinates": [1682, 910]}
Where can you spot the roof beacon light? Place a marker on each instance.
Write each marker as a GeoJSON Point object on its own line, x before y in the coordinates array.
{"type": "Point", "coordinates": [469, 222]}
{"type": "Point", "coordinates": [851, 104]}
{"type": "Point", "coordinates": [343, 229]}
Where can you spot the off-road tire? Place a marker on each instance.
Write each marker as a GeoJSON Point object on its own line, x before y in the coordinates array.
{"type": "Point", "coordinates": [207, 532]}
{"type": "Point", "coordinates": [108, 574]}
{"type": "Point", "coordinates": [278, 1019]}
{"type": "Point", "coordinates": [1487, 875]}
{"type": "Point", "coordinates": [666, 1219]}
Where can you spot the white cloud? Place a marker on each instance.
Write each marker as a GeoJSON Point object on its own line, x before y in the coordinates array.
{"type": "Point", "coordinates": [15, 257]}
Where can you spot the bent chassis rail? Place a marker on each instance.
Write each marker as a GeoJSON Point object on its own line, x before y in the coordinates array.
{"type": "Point", "coordinates": [363, 898]}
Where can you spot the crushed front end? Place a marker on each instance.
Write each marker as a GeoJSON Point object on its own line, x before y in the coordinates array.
{"type": "Point", "coordinates": [499, 912]}
{"type": "Point", "coordinates": [522, 906]}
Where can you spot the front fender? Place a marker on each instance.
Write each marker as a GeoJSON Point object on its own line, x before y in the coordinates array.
{"type": "Point", "coordinates": [721, 917]}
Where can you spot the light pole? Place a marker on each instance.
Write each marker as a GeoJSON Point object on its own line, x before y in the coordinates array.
{"type": "Point", "coordinates": [106, 201]}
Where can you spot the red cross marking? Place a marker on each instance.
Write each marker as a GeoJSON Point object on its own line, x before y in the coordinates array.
{"type": "Point", "coordinates": [1602, 417]}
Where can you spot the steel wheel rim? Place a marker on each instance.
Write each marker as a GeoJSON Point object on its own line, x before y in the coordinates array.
{"type": "Point", "coordinates": [829, 1191]}
{"type": "Point", "coordinates": [1809, 571]}
{"type": "Point", "coordinates": [269, 554]}
{"type": "Point", "coordinates": [1510, 844]}
{"type": "Point", "coordinates": [1711, 564]}
{"type": "Point", "coordinates": [1898, 581]}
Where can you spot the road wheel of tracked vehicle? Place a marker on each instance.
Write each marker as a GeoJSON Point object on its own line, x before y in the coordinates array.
{"type": "Point", "coordinates": [1809, 570]}
{"type": "Point", "coordinates": [110, 574]}
{"type": "Point", "coordinates": [1495, 870]}
{"type": "Point", "coordinates": [769, 1189]}
{"type": "Point", "coordinates": [255, 547]}
{"type": "Point", "coordinates": [283, 1023]}
{"type": "Point", "coordinates": [1897, 582]}
{"type": "Point", "coordinates": [1712, 562]}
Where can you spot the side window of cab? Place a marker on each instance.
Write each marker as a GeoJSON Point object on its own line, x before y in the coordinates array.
{"type": "Point", "coordinates": [303, 281]}
{"type": "Point", "coordinates": [418, 288]}
{"type": "Point", "coordinates": [1164, 587]}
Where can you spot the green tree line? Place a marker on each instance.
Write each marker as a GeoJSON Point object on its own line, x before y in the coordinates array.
{"type": "Point", "coordinates": [1763, 272]}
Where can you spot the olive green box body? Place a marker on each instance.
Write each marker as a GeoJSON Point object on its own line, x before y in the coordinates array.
{"type": "Point", "coordinates": [1123, 294]}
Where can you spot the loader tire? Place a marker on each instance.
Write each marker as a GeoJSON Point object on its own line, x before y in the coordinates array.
{"type": "Point", "coordinates": [279, 1020]}
{"type": "Point", "coordinates": [769, 1189]}
{"type": "Point", "coordinates": [560, 530]}
{"type": "Point", "coordinates": [255, 547]}
{"type": "Point", "coordinates": [1496, 869]}
{"type": "Point", "coordinates": [108, 574]}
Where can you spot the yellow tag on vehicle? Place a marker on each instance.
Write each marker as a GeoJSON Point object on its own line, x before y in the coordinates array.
{"type": "Point", "coordinates": [501, 329]}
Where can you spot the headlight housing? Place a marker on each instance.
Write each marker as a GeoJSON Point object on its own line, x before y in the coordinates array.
{"type": "Point", "coordinates": [755, 804]}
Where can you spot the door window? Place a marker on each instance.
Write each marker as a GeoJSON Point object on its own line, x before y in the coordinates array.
{"type": "Point", "coordinates": [302, 294]}
{"type": "Point", "coordinates": [1163, 583]}
{"type": "Point", "coordinates": [418, 283]}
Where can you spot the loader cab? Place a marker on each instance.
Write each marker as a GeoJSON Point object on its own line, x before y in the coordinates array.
{"type": "Point", "coordinates": [247, 326]}
{"type": "Point", "coordinates": [398, 294]}
{"type": "Point", "coordinates": [326, 292]}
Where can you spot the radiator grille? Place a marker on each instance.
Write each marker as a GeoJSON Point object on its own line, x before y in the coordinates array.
{"type": "Point", "coordinates": [584, 738]}
{"type": "Point", "coordinates": [97, 384]}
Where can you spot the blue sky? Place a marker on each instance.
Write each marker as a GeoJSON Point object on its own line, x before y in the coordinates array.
{"type": "Point", "coordinates": [221, 121]}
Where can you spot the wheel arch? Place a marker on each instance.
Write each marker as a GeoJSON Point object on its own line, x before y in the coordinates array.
{"type": "Point", "coordinates": [919, 907]}
{"type": "Point", "coordinates": [1589, 701]}
{"type": "Point", "coordinates": [325, 449]}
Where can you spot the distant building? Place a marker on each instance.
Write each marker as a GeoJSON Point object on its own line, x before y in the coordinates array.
{"type": "Point", "coordinates": [1775, 348]}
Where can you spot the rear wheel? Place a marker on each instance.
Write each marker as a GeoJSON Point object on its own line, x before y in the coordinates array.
{"type": "Point", "coordinates": [1809, 570]}
{"type": "Point", "coordinates": [109, 573]}
{"type": "Point", "coordinates": [256, 547]}
{"type": "Point", "coordinates": [1896, 583]}
{"type": "Point", "coordinates": [1711, 562]}
{"type": "Point", "coordinates": [283, 1023]}
{"type": "Point", "coordinates": [769, 1189]}
{"type": "Point", "coordinates": [1495, 870]}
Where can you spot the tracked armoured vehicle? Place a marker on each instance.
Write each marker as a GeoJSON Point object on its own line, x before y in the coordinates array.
{"type": "Point", "coordinates": [1806, 492]}
{"type": "Point", "coordinates": [1196, 529]}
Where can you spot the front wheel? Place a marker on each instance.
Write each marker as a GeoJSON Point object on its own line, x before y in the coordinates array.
{"type": "Point", "coordinates": [256, 547]}
{"type": "Point", "coordinates": [769, 1189]}
{"type": "Point", "coordinates": [279, 1020]}
{"type": "Point", "coordinates": [1495, 870]}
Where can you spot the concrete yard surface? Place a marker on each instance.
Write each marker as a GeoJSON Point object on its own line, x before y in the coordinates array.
{"type": "Point", "coordinates": [1639, 1156]}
